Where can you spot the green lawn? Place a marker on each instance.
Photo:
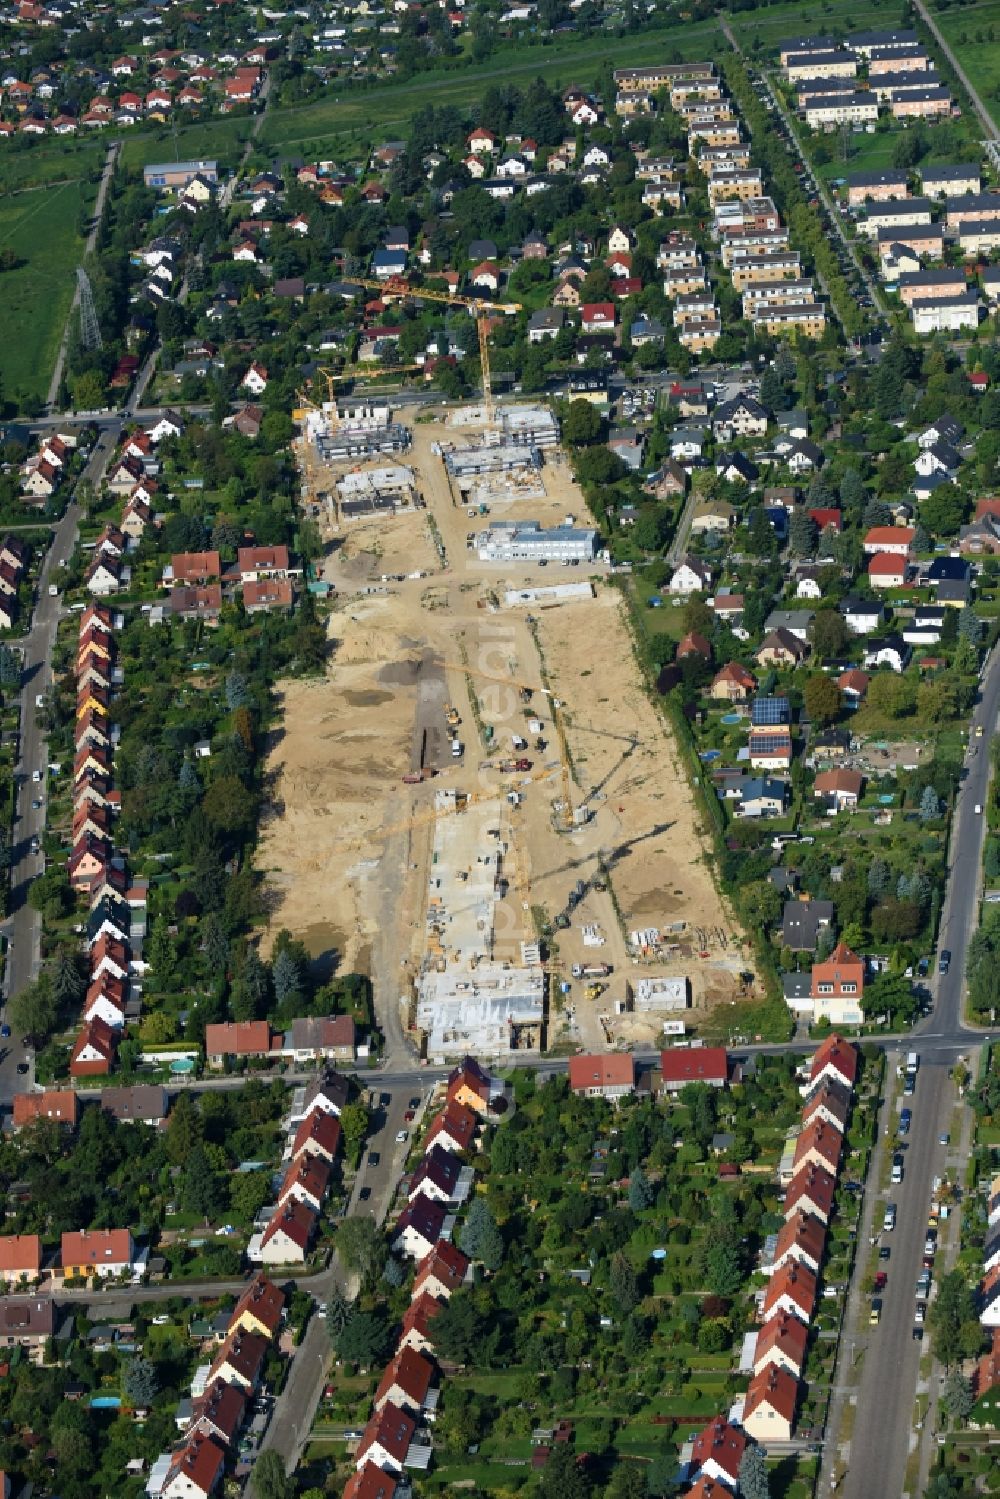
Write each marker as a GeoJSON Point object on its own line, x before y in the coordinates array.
{"type": "Point", "coordinates": [951, 140]}
{"type": "Point", "coordinates": [967, 31]}
{"type": "Point", "coordinates": [359, 111]}
{"type": "Point", "coordinates": [770, 24]}
{"type": "Point", "coordinates": [40, 227]}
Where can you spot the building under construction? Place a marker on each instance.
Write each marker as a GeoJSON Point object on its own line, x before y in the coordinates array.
{"type": "Point", "coordinates": [376, 491]}
{"type": "Point", "coordinates": [492, 458]}
{"type": "Point", "coordinates": [491, 1010]}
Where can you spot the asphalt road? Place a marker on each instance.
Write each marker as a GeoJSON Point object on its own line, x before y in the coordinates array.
{"type": "Point", "coordinates": [883, 1429]}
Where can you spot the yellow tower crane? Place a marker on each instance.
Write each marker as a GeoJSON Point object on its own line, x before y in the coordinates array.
{"type": "Point", "coordinates": [481, 308]}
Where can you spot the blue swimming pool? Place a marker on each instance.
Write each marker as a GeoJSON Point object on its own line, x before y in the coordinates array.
{"type": "Point", "coordinates": [105, 1402]}
{"type": "Point", "coordinates": [732, 718]}
{"type": "Point", "coordinates": [707, 755]}
{"type": "Point", "coordinates": [182, 1065]}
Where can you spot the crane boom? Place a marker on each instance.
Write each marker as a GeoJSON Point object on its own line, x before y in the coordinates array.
{"type": "Point", "coordinates": [479, 307]}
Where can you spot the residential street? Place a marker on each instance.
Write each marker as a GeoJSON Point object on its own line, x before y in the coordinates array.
{"type": "Point", "coordinates": [22, 927]}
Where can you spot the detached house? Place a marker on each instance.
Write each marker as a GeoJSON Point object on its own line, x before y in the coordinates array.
{"type": "Point", "coordinates": [610, 1075]}
{"type": "Point", "coordinates": [839, 789]}
{"type": "Point", "coordinates": [690, 576]}
{"type": "Point", "coordinates": [103, 1252]}
{"type": "Point", "coordinates": [837, 987]}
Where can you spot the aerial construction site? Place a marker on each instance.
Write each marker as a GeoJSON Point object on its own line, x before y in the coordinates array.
{"type": "Point", "coordinates": [480, 805]}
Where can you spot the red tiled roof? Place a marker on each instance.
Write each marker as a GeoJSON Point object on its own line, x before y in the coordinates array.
{"type": "Point", "coordinates": [603, 1070]}
{"type": "Point", "coordinates": [697, 1064]}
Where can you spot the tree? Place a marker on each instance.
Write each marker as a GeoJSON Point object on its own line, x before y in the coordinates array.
{"type": "Point", "coordinates": [480, 1238]}
{"type": "Point", "coordinates": [878, 877]}
{"type": "Point", "coordinates": [361, 1247]}
{"type": "Point", "coordinates": [563, 1477]}
{"type": "Point", "coordinates": [801, 533]}
{"type": "Point", "coordinates": [366, 1339]}
{"type": "Point", "coordinates": [943, 511]}
{"type": "Point", "coordinates": [640, 1193]}
{"type": "Point", "coordinates": [268, 1479]}
{"type": "Point", "coordinates": [139, 1381]}
{"type": "Point", "coordinates": [956, 1396]}
{"type": "Point", "coordinates": [338, 1313]}
{"type": "Point", "coordinates": [754, 1481]}
{"type": "Point", "coordinates": [201, 1190]}
{"type": "Point", "coordinates": [661, 1476]}
{"type": "Point", "coordinates": [651, 530]}
{"type": "Point", "coordinates": [969, 626]}
{"type": "Point", "coordinates": [623, 1283]}
{"type": "Point", "coordinates": [829, 632]}
{"type": "Point", "coordinates": [821, 697]}
{"type": "Point", "coordinates": [354, 1125]}
{"type": "Point", "coordinates": [582, 424]}
{"type": "Point", "coordinates": [892, 694]}
{"type": "Point", "coordinates": [66, 975]}
{"type": "Point", "coordinates": [723, 1272]}
{"type": "Point", "coordinates": [930, 804]}
{"type": "Point", "coordinates": [852, 490]}
{"type": "Point", "coordinates": [460, 1328]}
{"type": "Point", "coordinates": [230, 806]}
{"type": "Point", "coordinates": [32, 1011]}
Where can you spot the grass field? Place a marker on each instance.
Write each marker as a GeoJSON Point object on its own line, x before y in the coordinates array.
{"type": "Point", "coordinates": [967, 32]}
{"type": "Point", "coordinates": [951, 140]}
{"type": "Point", "coordinates": [770, 24]}
{"type": "Point", "coordinates": [360, 111]}
{"type": "Point", "coordinates": [40, 227]}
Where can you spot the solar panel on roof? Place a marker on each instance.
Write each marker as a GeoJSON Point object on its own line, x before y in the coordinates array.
{"type": "Point", "coordinates": [766, 711]}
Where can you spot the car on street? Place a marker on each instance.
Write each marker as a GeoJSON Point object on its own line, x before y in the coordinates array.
{"type": "Point", "coordinates": [919, 1312]}
{"type": "Point", "coordinates": [402, 1136]}
{"type": "Point", "coordinates": [410, 1115]}
{"type": "Point", "coordinates": [889, 1220]}
{"type": "Point", "coordinates": [905, 1119]}
{"type": "Point", "coordinates": [910, 1085]}
{"type": "Point", "coordinates": [365, 1193]}
{"type": "Point", "coordinates": [36, 804]}
{"type": "Point", "coordinates": [385, 1099]}
{"type": "Point", "coordinates": [944, 1138]}
{"type": "Point", "coordinates": [40, 700]}
{"type": "Point", "coordinates": [880, 1280]}
{"type": "Point", "coordinates": [875, 1316]}
{"type": "Point", "coordinates": [36, 775]}
{"type": "Point", "coordinates": [944, 961]}
{"type": "Point", "coordinates": [373, 1158]}
{"type": "Point", "coordinates": [414, 1103]}
{"type": "Point", "coordinates": [918, 1335]}
{"type": "Point", "coordinates": [22, 1068]}
{"type": "Point", "coordinates": [884, 1252]}
{"type": "Point", "coordinates": [897, 1169]}
{"type": "Point", "coordinates": [979, 731]}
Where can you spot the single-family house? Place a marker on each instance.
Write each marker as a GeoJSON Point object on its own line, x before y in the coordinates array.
{"type": "Point", "coordinates": [609, 1075]}
{"type": "Point", "coordinates": [286, 1239]}
{"type": "Point", "coordinates": [839, 789]}
{"type": "Point", "coordinates": [837, 987]}
{"type": "Point", "coordinates": [418, 1227]}
{"type": "Point", "coordinates": [405, 1382]}
{"type": "Point", "coordinates": [769, 1406]}
{"type": "Point", "coordinates": [103, 1252]}
{"type": "Point", "coordinates": [699, 1064]}
{"type": "Point", "coordinates": [442, 1271]}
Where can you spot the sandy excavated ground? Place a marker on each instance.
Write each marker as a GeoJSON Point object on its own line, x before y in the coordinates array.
{"type": "Point", "coordinates": [349, 739]}
{"type": "Point", "coordinates": [342, 736]}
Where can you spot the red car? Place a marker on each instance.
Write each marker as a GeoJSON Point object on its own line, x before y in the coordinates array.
{"type": "Point", "coordinates": [409, 1116]}
{"type": "Point", "coordinates": [880, 1280]}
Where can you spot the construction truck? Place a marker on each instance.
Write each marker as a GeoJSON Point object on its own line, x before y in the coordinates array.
{"type": "Point", "coordinates": [591, 970]}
